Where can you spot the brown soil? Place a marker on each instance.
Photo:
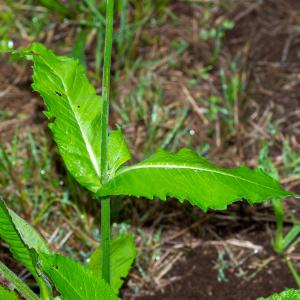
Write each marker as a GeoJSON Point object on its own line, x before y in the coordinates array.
{"type": "Point", "coordinates": [21, 106]}
{"type": "Point", "coordinates": [195, 277]}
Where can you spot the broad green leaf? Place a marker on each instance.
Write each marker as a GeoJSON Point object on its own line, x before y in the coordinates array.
{"type": "Point", "coordinates": [123, 253]}
{"type": "Point", "coordinates": [73, 280]}
{"type": "Point", "coordinates": [187, 176]}
{"type": "Point", "coordinates": [118, 152]}
{"type": "Point", "coordinates": [20, 237]}
{"type": "Point", "coordinates": [6, 294]}
{"type": "Point", "coordinates": [286, 295]}
{"type": "Point", "coordinates": [73, 110]}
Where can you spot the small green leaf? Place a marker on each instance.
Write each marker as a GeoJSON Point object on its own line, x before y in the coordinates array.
{"type": "Point", "coordinates": [187, 176]}
{"type": "Point", "coordinates": [6, 294]}
{"type": "Point", "coordinates": [20, 237]}
{"type": "Point", "coordinates": [118, 152]}
{"type": "Point", "coordinates": [286, 295]}
{"type": "Point", "coordinates": [73, 280]}
{"type": "Point", "coordinates": [123, 253]}
{"type": "Point", "coordinates": [73, 110]}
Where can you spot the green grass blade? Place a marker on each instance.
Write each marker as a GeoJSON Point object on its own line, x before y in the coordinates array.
{"type": "Point", "coordinates": [78, 50]}
{"type": "Point", "coordinates": [187, 176]}
{"type": "Point", "coordinates": [291, 236]}
{"type": "Point", "coordinates": [294, 272]}
{"type": "Point", "coordinates": [55, 5]}
{"type": "Point", "coordinates": [94, 10]}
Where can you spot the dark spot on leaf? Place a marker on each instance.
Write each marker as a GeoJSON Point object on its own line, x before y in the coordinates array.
{"type": "Point", "coordinates": [58, 93]}
{"type": "Point", "coordinates": [78, 106]}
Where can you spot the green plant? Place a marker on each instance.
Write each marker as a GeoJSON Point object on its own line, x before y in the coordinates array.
{"type": "Point", "coordinates": [216, 35]}
{"type": "Point", "coordinates": [232, 88]}
{"type": "Point", "coordinates": [285, 295]}
{"type": "Point", "coordinates": [281, 241]}
{"type": "Point", "coordinates": [72, 280]}
{"type": "Point", "coordinates": [95, 156]}
{"type": "Point", "coordinates": [224, 108]}
{"type": "Point", "coordinates": [291, 161]}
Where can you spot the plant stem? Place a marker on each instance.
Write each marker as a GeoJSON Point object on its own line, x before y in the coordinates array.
{"type": "Point", "coordinates": [105, 239]}
{"type": "Point", "coordinates": [105, 203]}
{"type": "Point", "coordinates": [45, 290]}
{"type": "Point", "coordinates": [278, 209]}
{"type": "Point", "coordinates": [21, 286]}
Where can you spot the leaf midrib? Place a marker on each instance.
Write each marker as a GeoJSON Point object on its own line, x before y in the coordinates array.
{"type": "Point", "coordinates": [201, 169]}
{"type": "Point", "coordinates": [59, 274]}
{"type": "Point", "coordinates": [86, 141]}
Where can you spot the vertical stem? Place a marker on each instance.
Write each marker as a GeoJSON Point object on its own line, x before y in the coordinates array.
{"type": "Point", "coordinates": [105, 239]}
{"type": "Point", "coordinates": [45, 290]}
{"type": "Point", "coordinates": [278, 209]}
{"type": "Point", "coordinates": [105, 203]}
{"type": "Point", "coordinates": [99, 53]}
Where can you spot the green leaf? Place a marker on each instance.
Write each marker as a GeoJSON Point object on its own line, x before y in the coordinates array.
{"type": "Point", "coordinates": [73, 280]}
{"type": "Point", "coordinates": [123, 253]}
{"type": "Point", "coordinates": [6, 294]}
{"type": "Point", "coordinates": [29, 235]}
{"type": "Point", "coordinates": [286, 295]}
{"type": "Point", "coordinates": [73, 110]}
{"type": "Point", "coordinates": [187, 176]}
{"type": "Point", "coordinates": [118, 152]}
{"type": "Point", "coordinates": [20, 237]}
{"type": "Point", "coordinates": [17, 283]}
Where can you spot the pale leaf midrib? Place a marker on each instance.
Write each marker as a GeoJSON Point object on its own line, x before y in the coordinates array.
{"type": "Point", "coordinates": [59, 274]}
{"type": "Point", "coordinates": [89, 148]}
{"type": "Point", "coordinates": [200, 169]}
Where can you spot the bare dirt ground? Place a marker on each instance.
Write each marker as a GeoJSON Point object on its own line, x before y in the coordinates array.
{"type": "Point", "coordinates": [250, 271]}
